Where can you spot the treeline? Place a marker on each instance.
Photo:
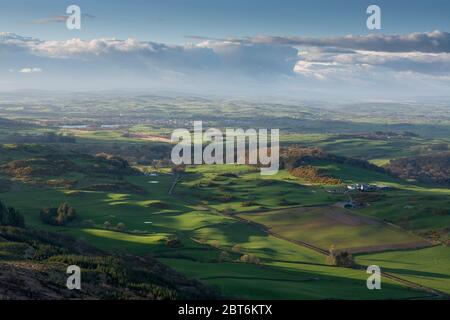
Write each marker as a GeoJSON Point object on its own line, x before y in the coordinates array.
{"type": "Point", "coordinates": [61, 164]}
{"type": "Point", "coordinates": [295, 156]}
{"type": "Point", "coordinates": [377, 135]}
{"type": "Point", "coordinates": [434, 168]}
{"type": "Point", "coordinates": [40, 166]}
{"type": "Point", "coordinates": [299, 161]}
{"type": "Point", "coordinates": [10, 217]}
{"type": "Point", "coordinates": [155, 154]}
{"type": "Point", "coordinates": [48, 137]}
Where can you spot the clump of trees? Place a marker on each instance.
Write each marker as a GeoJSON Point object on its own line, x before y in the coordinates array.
{"type": "Point", "coordinates": [314, 175]}
{"type": "Point", "coordinates": [434, 168]}
{"type": "Point", "coordinates": [121, 227]}
{"type": "Point", "coordinates": [340, 259]}
{"type": "Point", "coordinates": [60, 216]}
{"type": "Point", "coordinates": [10, 217]}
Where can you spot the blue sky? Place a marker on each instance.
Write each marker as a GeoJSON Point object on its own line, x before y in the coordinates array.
{"type": "Point", "coordinates": [304, 49]}
{"type": "Point", "coordinates": [170, 21]}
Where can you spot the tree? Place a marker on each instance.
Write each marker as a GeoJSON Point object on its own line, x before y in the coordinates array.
{"type": "Point", "coordinates": [224, 257]}
{"type": "Point", "coordinates": [14, 218]}
{"type": "Point", "coordinates": [71, 214]}
{"type": "Point", "coordinates": [11, 217]}
{"type": "Point", "coordinates": [121, 227]}
{"type": "Point", "coordinates": [180, 168]}
{"type": "Point", "coordinates": [236, 248]}
{"type": "Point", "coordinates": [2, 212]}
{"type": "Point", "coordinates": [173, 242]}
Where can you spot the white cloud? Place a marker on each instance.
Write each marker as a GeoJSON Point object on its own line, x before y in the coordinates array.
{"type": "Point", "coordinates": [434, 41]}
{"type": "Point", "coordinates": [259, 64]}
{"type": "Point", "coordinates": [30, 70]}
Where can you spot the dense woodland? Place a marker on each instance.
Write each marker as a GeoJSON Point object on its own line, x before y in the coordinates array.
{"type": "Point", "coordinates": [433, 168]}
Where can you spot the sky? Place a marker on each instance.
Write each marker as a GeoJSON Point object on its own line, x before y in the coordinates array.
{"type": "Point", "coordinates": [286, 47]}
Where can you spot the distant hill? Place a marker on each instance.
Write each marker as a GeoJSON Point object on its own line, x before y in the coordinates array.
{"type": "Point", "coordinates": [7, 123]}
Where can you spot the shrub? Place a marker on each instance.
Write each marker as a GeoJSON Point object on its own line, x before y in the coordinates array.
{"type": "Point", "coordinates": [248, 258]}
{"type": "Point", "coordinates": [121, 227]}
{"type": "Point", "coordinates": [173, 243]}
{"type": "Point", "coordinates": [224, 257]}
{"type": "Point", "coordinates": [236, 248]}
{"type": "Point", "coordinates": [249, 204]}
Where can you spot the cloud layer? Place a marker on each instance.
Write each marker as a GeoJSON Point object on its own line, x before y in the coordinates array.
{"type": "Point", "coordinates": [373, 64]}
{"type": "Point", "coordinates": [432, 42]}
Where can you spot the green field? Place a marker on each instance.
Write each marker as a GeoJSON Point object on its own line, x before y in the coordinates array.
{"type": "Point", "coordinates": [429, 267]}
{"type": "Point", "coordinates": [328, 226]}
{"type": "Point", "coordinates": [289, 281]}
{"type": "Point", "coordinates": [232, 211]}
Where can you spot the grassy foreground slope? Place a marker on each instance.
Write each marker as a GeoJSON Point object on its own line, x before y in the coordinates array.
{"type": "Point", "coordinates": [33, 266]}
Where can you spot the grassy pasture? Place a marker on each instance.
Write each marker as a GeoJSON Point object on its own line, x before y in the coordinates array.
{"type": "Point", "coordinates": [243, 238]}
{"type": "Point", "coordinates": [429, 267]}
{"type": "Point", "coordinates": [195, 215]}
{"type": "Point", "coordinates": [328, 225]}
{"type": "Point", "coordinates": [288, 281]}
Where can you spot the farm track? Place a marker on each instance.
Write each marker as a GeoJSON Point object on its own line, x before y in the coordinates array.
{"type": "Point", "coordinates": [276, 235]}
{"type": "Point", "coordinates": [177, 179]}
{"type": "Point", "coordinates": [405, 282]}
{"type": "Point", "coordinates": [265, 229]}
